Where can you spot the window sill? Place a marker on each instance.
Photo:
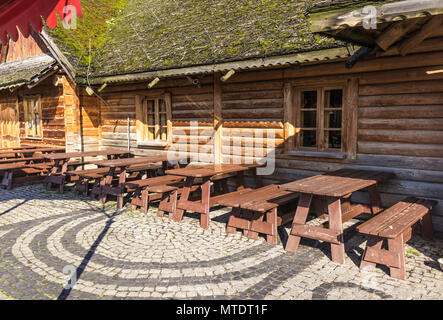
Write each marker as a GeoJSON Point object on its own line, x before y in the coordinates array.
{"type": "Point", "coordinates": [34, 138]}
{"type": "Point", "coordinates": [152, 144]}
{"type": "Point", "coordinates": [317, 154]}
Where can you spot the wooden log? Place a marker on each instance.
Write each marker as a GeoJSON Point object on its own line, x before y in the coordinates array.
{"type": "Point", "coordinates": [404, 136]}
{"type": "Point", "coordinates": [401, 124]}
{"type": "Point", "coordinates": [400, 100]}
{"type": "Point", "coordinates": [402, 112]}
{"type": "Point", "coordinates": [404, 149]}
{"type": "Point", "coordinates": [402, 88]}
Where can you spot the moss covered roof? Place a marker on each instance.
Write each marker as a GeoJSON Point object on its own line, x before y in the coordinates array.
{"type": "Point", "coordinates": [130, 36]}
{"type": "Point", "coordinates": [20, 72]}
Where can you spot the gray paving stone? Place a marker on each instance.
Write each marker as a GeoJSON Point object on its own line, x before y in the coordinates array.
{"type": "Point", "coordinates": [45, 236]}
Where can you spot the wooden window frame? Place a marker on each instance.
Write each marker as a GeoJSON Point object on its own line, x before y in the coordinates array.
{"type": "Point", "coordinates": [26, 106]}
{"type": "Point", "coordinates": [292, 110]}
{"type": "Point", "coordinates": [320, 124]}
{"type": "Point", "coordinates": [142, 120]}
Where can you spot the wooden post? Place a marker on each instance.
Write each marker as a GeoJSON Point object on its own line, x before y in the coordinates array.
{"type": "Point", "coordinates": [289, 130]}
{"type": "Point", "coordinates": [218, 119]}
{"type": "Point", "coordinates": [351, 116]}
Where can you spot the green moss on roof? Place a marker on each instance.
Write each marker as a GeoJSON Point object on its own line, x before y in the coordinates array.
{"type": "Point", "coordinates": [129, 36]}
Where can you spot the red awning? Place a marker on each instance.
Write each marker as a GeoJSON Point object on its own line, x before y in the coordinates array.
{"type": "Point", "coordinates": [26, 14]}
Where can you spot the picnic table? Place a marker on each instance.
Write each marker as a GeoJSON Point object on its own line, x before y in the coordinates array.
{"type": "Point", "coordinates": [57, 173]}
{"type": "Point", "coordinates": [121, 166]}
{"type": "Point", "coordinates": [206, 173]}
{"type": "Point", "coordinates": [28, 152]}
{"type": "Point", "coordinates": [9, 170]}
{"type": "Point", "coordinates": [336, 187]}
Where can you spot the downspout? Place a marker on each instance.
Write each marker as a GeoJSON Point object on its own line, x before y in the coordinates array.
{"type": "Point", "coordinates": [358, 55]}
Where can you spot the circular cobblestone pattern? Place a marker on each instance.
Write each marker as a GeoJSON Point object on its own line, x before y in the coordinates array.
{"type": "Point", "coordinates": [61, 247]}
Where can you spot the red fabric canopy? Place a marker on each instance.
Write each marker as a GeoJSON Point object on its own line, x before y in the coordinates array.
{"type": "Point", "coordinates": [26, 14]}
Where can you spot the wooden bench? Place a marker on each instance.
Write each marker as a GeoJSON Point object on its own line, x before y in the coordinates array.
{"type": "Point", "coordinates": [256, 211]}
{"type": "Point", "coordinates": [142, 194]}
{"type": "Point", "coordinates": [394, 226]}
{"type": "Point", "coordinates": [18, 173]}
{"type": "Point", "coordinates": [84, 177]}
{"type": "Point", "coordinates": [111, 182]}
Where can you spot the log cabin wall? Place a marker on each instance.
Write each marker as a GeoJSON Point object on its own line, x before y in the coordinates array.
{"type": "Point", "coordinates": [189, 103]}
{"type": "Point", "coordinates": [24, 48]}
{"type": "Point", "coordinates": [89, 119]}
{"type": "Point", "coordinates": [9, 124]}
{"type": "Point", "coordinates": [397, 125]}
{"type": "Point", "coordinates": [52, 107]}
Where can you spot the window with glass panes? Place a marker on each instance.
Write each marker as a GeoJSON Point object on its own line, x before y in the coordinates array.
{"type": "Point", "coordinates": [156, 119]}
{"type": "Point", "coordinates": [33, 117]}
{"type": "Point", "coordinates": [320, 119]}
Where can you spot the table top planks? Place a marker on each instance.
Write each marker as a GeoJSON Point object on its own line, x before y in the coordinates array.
{"type": "Point", "coordinates": [33, 150]}
{"type": "Point", "coordinates": [338, 183]}
{"type": "Point", "coordinates": [69, 155]}
{"type": "Point", "coordinates": [209, 170]}
{"type": "Point", "coordinates": [133, 161]}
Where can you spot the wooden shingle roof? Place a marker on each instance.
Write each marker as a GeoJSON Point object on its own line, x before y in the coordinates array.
{"type": "Point", "coordinates": [135, 36]}
{"type": "Point", "coordinates": [25, 72]}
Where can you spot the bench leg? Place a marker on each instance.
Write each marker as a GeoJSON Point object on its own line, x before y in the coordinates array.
{"type": "Point", "coordinates": [427, 231]}
{"type": "Point", "coordinates": [397, 246]}
{"type": "Point", "coordinates": [271, 217]}
{"type": "Point", "coordinates": [61, 188]}
{"type": "Point", "coordinates": [168, 203]}
{"type": "Point", "coordinates": [178, 216]}
{"type": "Point", "coordinates": [234, 214]}
{"type": "Point", "coordinates": [373, 243]}
{"type": "Point", "coordinates": [10, 179]}
{"type": "Point", "coordinates": [258, 216]}
{"type": "Point", "coordinates": [102, 195]}
{"type": "Point", "coordinates": [6, 182]}
{"type": "Point", "coordinates": [301, 214]}
{"type": "Point", "coordinates": [135, 198]}
{"type": "Point", "coordinates": [145, 201]}
{"type": "Point", "coordinates": [375, 199]}
{"type": "Point", "coordinates": [206, 198]}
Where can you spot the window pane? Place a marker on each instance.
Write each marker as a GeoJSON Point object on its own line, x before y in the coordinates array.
{"type": "Point", "coordinates": [162, 119]}
{"type": "Point", "coordinates": [308, 138]}
{"type": "Point", "coordinates": [334, 98]}
{"type": "Point", "coordinates": [151, 133]}
{"type": "Point", "coordinates": [161, 106]}
{"type": "Point", "coordinates": [309, 119]}
{"type": "Point", "coordinates": [151, 119]}
{"type": "Point", "coordinates": [309, 99]}
{"type": "Point", "coordinates": [151, 106]}
{"type": "Point", "coordinates": [333, 139]}
{"type": "Point", "coordinates": [163, 133]}
{"type": "Point", "coordinates": [333, 119]}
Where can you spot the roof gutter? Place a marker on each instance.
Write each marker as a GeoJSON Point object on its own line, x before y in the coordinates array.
{"type": "Point", "coordinates": [325, 54]}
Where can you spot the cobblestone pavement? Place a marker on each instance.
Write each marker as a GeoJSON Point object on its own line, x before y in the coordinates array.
{"type": "Point", "coordinates": [45, 238]}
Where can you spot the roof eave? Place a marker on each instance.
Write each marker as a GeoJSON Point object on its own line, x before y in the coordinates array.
{"type": "Point", "coordinates": [309, 56]}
